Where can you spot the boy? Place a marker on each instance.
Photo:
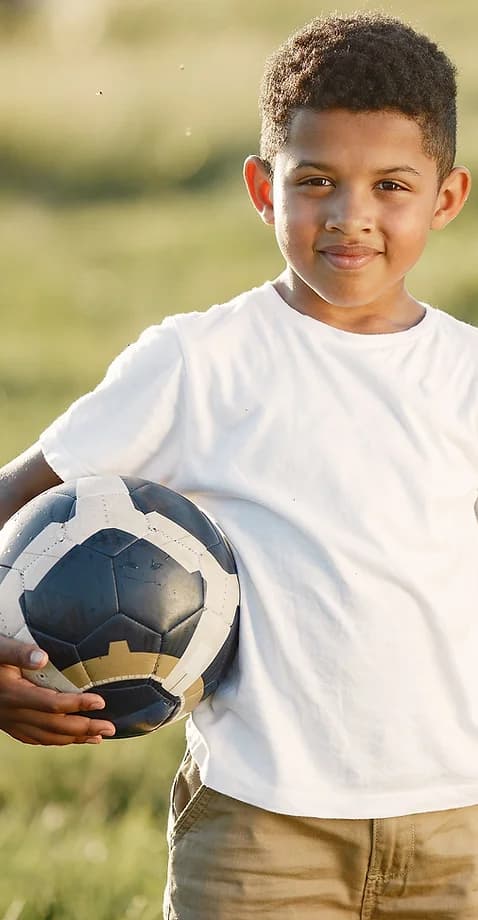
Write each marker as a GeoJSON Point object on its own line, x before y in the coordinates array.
{"type": "Point", "coordinates": [328, 421]}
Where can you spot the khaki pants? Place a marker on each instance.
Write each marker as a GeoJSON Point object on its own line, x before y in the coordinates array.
{"type": "Point", "coordinates": [232, 861]}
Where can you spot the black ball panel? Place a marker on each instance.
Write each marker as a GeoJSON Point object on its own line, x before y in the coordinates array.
{"type": "Point", "coordinates": [64, 654]}
{"type": "Point", "coordinates": [69, 602]}
{"type": "Point", "coordinates": [176, 640]}
{"type": "Point", "coordinates": [31, 520]}
{"type": "Point", "coordinates": [119, 628]}
{"type": "Point", "coordinates": [110, 541]}
{"type": "Point", "coordinates": [150, 496]}
{"type": "Point", "coordinates": [142, 569]}
{"type": "Point", "coordinates": [135, 707]}
{"type": "Point", "coordinates": [223, 554]}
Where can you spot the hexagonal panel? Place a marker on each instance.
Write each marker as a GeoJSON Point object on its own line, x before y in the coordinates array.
{"type": "Point", "coordinates": [76, 595]}
{"type": "Point", "coordinates": [154, 589]}
{"type": "Point", "coordinates": [176, 640]}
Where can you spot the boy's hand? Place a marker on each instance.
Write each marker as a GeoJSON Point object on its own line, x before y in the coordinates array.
{"type": "Point", "coordinates": [36, 715]}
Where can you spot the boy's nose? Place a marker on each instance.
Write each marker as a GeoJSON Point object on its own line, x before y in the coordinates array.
{"type": "Point", "coordinates": [350, 214]}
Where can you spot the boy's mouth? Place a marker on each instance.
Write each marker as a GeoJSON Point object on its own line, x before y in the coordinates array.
{"type": "Point", "coordinates": [348, 257]}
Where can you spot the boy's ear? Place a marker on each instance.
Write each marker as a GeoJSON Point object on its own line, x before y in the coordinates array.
{"type": "Point", "coordinates": [259, 185]}
{"type": "Point", "coordinates": [451, 197]}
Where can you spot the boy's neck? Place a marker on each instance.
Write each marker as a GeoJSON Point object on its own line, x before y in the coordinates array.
{"type": "Point", "coordinates": [395, 314]}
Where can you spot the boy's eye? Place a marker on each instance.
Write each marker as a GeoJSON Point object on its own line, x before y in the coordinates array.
{"type": "Point", "coordinates": [390, 186]}
{"type": "Point", "coordinates": [318, 181]}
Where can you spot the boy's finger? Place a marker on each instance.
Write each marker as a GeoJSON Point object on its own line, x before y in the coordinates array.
{"type": "Point", "coordinates": [23, 738]}
{"type": "Point", "coordinates": [59, 724]}
{"type": "Point", "coordinates": [21, 655]}
{"type": "Point", "coordinates": [33, 734]}
{"type": "Point", "coordinates": [24, 695]}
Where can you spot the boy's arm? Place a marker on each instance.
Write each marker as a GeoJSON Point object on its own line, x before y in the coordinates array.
{"type": "Point", "coordinates": [28, 713]}
{"type": "Point", "coordinates": [22, 479]}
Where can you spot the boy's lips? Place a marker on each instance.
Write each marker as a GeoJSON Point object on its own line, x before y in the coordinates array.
{"type": "Point", "coordinates": [349, 257]}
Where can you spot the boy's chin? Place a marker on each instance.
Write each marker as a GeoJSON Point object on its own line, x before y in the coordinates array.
{"type": "Point", "coordinates": [342, 300]}
{"type": "Point", "coordinates": [312, 294]}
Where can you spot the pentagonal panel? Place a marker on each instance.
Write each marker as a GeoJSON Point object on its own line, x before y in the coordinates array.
{"type": "Point", "coordinates": [76, 595]}
{"type": "Point", "coordinates": [110, 541]}
{"type": "Point", "coordinates": [154, 589]}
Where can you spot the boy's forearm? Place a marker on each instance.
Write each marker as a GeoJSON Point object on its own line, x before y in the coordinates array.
{"type": "Point", "coordinates": [23, 479]}
{"type": "Point", "coordinates": [10, 501]}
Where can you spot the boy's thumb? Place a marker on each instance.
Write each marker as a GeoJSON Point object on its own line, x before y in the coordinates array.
{"type": "Point", "coordinates": [21, 655]}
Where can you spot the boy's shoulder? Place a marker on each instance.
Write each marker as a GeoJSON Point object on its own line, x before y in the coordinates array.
{"type": "Point", "coordinates": [461, 330]}
{"type": "Point", "coordinates": [225, 319]}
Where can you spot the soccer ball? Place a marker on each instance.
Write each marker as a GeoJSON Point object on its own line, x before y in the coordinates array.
{"type": "Point", "coordinates": [130, 588]}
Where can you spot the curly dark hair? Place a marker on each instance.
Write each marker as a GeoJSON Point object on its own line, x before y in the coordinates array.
{"type": "Point", "coordinates": [365, 62]}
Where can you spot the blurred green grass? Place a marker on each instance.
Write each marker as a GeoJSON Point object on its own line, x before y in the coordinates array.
{"type": "Point", "coordinates": [82, 830]}
{"type": "Point", "coordinates": [122, 132]}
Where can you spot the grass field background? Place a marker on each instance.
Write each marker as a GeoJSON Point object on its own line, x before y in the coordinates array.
{"type": "Point", "coordinates": [123, 126]}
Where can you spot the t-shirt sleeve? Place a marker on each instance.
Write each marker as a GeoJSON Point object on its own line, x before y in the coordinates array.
{"type": "Point", "coordinates": [132, 421]}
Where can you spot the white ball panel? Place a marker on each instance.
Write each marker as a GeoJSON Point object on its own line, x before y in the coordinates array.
{"type": "Point", "coordinates": [209, 636]}
{"type": "Point", "coordinates": [49, 540]}
{"type": "Point", "coordinates": [94, 513]}
{"type": "Point", "coordinates": [175, 540]}
{"type": "Point", "coordinates": [24, 635]}
{"type": "Point", "coordinates": [11, 613]}
{"type": "Point", "coordinates": [221, 588]}
{"type": "Point", "coordinates": [41, 554]}
{"type": "Point", "coordinates": [100, 485]}
{"type": "Point", "coordinates": [50, 677]}
{"type": "Point", "coordinates": [35, 567]}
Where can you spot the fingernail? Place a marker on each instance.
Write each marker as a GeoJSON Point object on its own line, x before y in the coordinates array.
{"type": "Point", "coordinates": [108, 732]}
{"type": "Point", "coordinates": [38, 657]}
{"type": "Point", "coordinates": [98, 703]}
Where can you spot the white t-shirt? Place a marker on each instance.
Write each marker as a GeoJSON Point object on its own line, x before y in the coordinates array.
{"type": "Point", "coordinates": [343, 467]}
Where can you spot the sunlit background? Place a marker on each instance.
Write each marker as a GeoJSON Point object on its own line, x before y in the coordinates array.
{"type": "Point", "coordinates": [123, 127]}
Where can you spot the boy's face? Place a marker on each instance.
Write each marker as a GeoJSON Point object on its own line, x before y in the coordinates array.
{"type": "Point", "coordinates": [352, 200]}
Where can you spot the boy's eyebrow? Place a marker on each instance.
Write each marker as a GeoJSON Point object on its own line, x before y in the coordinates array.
{"type": "Point", "coordinates": [403, 168]}
{"type": "Point", "coordinates": [302, 164]}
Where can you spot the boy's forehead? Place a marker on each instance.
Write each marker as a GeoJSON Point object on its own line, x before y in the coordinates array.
{"type": "Point", "coordinates": [340, 135]}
